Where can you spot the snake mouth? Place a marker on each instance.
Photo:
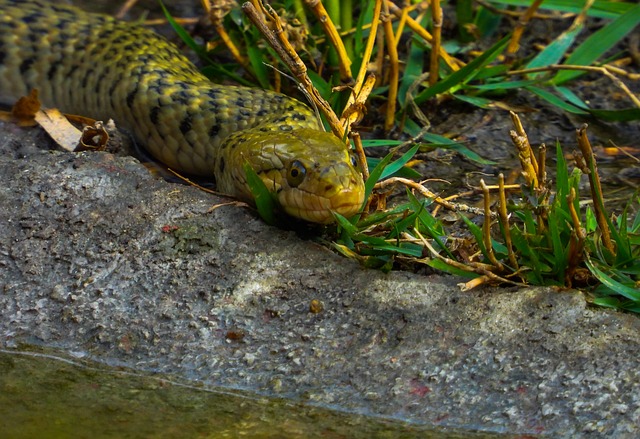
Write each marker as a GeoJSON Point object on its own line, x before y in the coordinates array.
{"type": "Point", "coordinates": [318, 209]}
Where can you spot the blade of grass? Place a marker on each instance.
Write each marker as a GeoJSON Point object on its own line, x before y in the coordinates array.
{"type": "Point", "coordinates": [464, 74]}
{"type": "Point", "coordinates": [619, 288]}
{"type": "Point", "coordinates": [601, 8]}
{"type": "Point", "coordinates": [265, 203]}
{"type": "Point", "coordinates": [555, 100]}
{"type": "Point", "coordinates": [598, 43]}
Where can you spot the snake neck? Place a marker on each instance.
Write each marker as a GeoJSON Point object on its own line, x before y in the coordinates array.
{"type": "Point", "coordinates": [99, 67]}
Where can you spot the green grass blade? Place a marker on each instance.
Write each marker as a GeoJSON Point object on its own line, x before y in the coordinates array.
{"type": "Point", "coordinates": [394, 167]}
{"type": "Point", "coordinates": [553, 53]}
{"type": "Point", "coordinates": [600, 8]}
{"type": "Point", "coordinates": [619, 288]}
{"type": "Point", "coordinates": [555, 100]}
{"type": "Point", "coordinates": [441, 265]}
{"type": "Point", "coordinates": [184, 36]}
{"type": "Point", "coordinates": [464, 74]}
{"type": "Point", "coordinates": [413, 129]}
{"type": "Point", "coordinates": [627, 115]}
{"type": "Point", "coordinates": [504, 85]}
{"type": "Point", "coordinates": [598, 43]}
{"type": "Point", "coordinates": [263, 199]}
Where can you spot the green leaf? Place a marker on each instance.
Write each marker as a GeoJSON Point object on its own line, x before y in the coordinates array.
{"type": "Point", "coordinates": [184, 36]}
{"type": "Point", "coordinates": [598, 43]}
{"type": "Point", "coordinates": [394, 167]}
{"type": "Point", "coordinates": [465, 74]}
{"type": "Point", "coordinates": [404, 172]}
{"type": "Point", "coordinates": [475, 100]}
{"type": "Point", "coordinates": [619, 288]}
{"type": "Point", "coordinates": [627, 115]}
{"type": "Point", "coordinates": [553, 53]}
{"type": "Point", "coordinates": [555, 100]}
{"type": "Point", "coordinates": [413, 130]}
{"type": "Point", "coordinates": [441, 265]}
{"type": "Point", "coordinates": [600, 8]}
{"type": "Point", "coordinates": [503, 85]}
{"type": "Point", "coordinates": [256, 58]}
{"type": "Point", "coordinates": [263, 199]}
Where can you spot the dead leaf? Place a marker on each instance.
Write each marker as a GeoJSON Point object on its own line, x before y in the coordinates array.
{"type": "Point", "coordinates": [59, 128]}
{"type": "Point", "coordinates": [94, 137]}
{"type": "Point", "coordinates": [25, 109]}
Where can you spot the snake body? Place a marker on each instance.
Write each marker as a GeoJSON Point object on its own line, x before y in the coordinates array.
{"type": "Point", "coordinates": [94, 65]}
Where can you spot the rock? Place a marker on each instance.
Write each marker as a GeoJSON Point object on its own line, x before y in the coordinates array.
{"type": "Point", "coordinates": [98, 257]}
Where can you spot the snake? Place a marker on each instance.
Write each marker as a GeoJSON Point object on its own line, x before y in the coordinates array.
{"type": "Point", "coordinates": [95, 65]}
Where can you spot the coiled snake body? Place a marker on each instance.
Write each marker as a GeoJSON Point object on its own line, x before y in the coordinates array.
{"type": "Point", "coordinates": [94, 65]}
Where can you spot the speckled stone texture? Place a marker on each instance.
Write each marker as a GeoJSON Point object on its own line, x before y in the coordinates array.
{"type": "Point", "coordinates": [98, 257]}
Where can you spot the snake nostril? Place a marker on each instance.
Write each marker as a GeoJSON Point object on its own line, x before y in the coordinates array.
{"type": "Point", "coordinates": [328, 187]}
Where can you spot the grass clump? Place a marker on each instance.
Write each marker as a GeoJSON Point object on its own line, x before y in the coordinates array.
{"type": "Point", "coordinates": [396, 62]}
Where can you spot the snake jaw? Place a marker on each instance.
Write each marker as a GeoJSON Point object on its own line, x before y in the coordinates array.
{"type": "Point", "coordinates": [338, 188]}
{"type": "Point", "coordinates": [318, 209]}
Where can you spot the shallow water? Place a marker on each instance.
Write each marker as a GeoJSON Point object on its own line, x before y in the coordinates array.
{"type": "Point", "coordinates": [45, 395]}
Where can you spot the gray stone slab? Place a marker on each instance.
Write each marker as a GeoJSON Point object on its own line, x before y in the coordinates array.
{"type": "Point", "coordinates": [97, 256]}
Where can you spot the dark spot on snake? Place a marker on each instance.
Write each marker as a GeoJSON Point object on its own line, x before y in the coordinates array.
{"type": "Point", "coordinates": [85, 78]}
{"type": "Point", "coordinates": [101, 77]}
{"type": "Point", "coordinates": [214, 130]}
{"type": "Point", "coordinates": [261, 112]}
{"type": "Point", "coordinates": [185, 125]}
{"type": "Point", "coordinates": [131, 96]}
{"type": "Point", "coordinates": [299, 117]}
{"type": "Point", "coordinates": [33, 17]}
{"type": "Point", "coordinates": [264, 129]}
{"type": "Point", "coordinates": [62, 24]}
{"type": "Point", "coordinates": [35, 38]}
{"type": "Point", "coordinates": [244, 112]}
{"type": "Point", "coordinates": [112, 89]}
{"type": "Point", "coordinates": [221, 165]}
{"type": "Point", "coordinates": [3, 55]}
{"type": "Point", "coordinates": [286, 128]}
{"type": "Point", "coordinates": [290, 108]}
{"type": "Point", "coordinates": [153, 115]}
{"type": "Point", "coordinates": [240, 102]}
{"type": "Point", "coordinates": [26, 64]}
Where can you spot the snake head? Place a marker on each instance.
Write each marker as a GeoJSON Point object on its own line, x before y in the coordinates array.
{"type": "Point", "coordinates": [311, 173]}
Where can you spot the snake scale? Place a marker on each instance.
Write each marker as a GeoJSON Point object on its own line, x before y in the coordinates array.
{"type": "Point", "coordinates": [94, 65]}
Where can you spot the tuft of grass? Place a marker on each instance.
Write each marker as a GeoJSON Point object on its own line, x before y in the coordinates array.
{"type": "Point", "coordinates": [530, 233]}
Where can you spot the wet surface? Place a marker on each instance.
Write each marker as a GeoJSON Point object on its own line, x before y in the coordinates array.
{"type": "Point", "coordinates": [48, 394]}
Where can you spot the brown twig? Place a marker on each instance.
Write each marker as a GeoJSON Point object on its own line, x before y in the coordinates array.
{"type": "Point", "coordinates": [428, 194]}
{"type": "Point", "coordinates": [216, 12]}
{"type": "Point", "coordinates": [394, 68]}
{"type": "Point", "coordinates": [344, 62]}
{"type": "Point", "coordinates": [453, 63]}
{"type": "Point", "coordinates": [486, 226]}
{"type": "Point", "coordinates": [275, 36]}
{"type": "Point", "coordinates": [525, 153]}
{"type": "Point", "coordinates": [523, 20]}
{"type": "Point", "coordinates": [595, 187]}
{"type": "Point", "coordinates": [504, 221]}
{"type": "Point", "coordinates": [359, 149]}
{"type": "Point", "coordinates": [434, 57]}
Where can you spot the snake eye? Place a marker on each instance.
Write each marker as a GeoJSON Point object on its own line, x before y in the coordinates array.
{"type": "Point", "coordinates": [296, 173]}
{"type": "Point", "coordinates": [354, 160]}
